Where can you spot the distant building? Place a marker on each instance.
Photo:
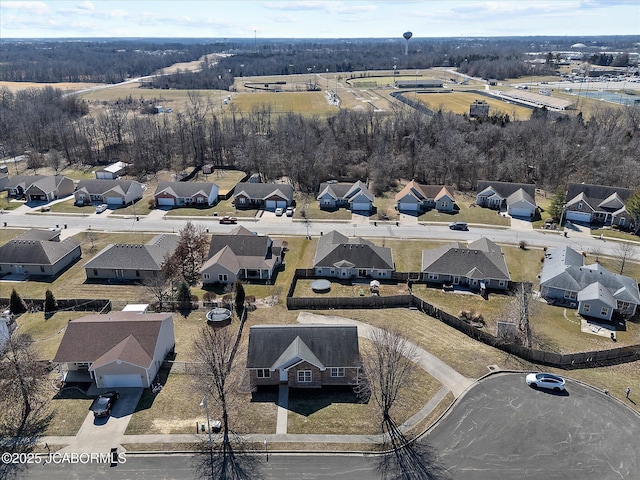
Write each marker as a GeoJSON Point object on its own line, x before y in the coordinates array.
{"type": "Point", "coordinates": [422, 83]}
{"type": "Point", "coordinates": [479, 108]}
{"type": "Point", "coordinates": [112, 172]}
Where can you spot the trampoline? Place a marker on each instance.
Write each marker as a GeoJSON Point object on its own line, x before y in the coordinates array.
{"type": "Point", "coordinates": [218, 315]}
{"type": "Point", "coordinates": [321, 286]}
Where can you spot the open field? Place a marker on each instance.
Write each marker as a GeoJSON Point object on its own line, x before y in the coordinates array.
{"type": "Point", "coordinates": [306, 103]}
{"type": "Point", "coordinates": [67, 86]}
{"type": "Point", "coordinates": [458, 102]}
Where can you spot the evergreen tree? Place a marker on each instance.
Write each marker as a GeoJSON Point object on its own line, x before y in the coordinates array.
{"type": "Point", "coordinates": [240, 295]}
{"type": "Point", "coordinates": [16, 304]}
{"type": "Point", "coordinates": [50, 304]}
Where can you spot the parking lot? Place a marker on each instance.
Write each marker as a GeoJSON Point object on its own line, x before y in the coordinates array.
{"type": "Point", "coordinates": [504, 429]}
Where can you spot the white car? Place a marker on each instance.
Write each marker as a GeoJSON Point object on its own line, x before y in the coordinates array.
{"type": "Point", "coordinates": [279, 212]}
{"type": "Point", "coordinates": [545, 380]}
{"type": "Point", "coordinates": [101, 208]}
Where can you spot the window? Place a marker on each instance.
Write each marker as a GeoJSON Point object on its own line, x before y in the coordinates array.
{"type": "Point", "coordinates": [587, 307]}
{"type": "Point", "coordinates": [580, 206]}
{"type": "Point", "coordinates": [570, 295]}
{"type": "Point", "coordinates": [433, 276]}
{"type": "Point", "coordinates": [623, 305]}
{"type": "Point", "coordinates": [337, 372]}
{"type": "Point", "coordinates": [95, 272]}
{"type": "Point", "coordinates": [362, 272]}
{"type": "Point", "coordinates": [502, 283]}
{"type": "Point", "coordinates": [137, 273]}
{"type": "Point", "coordinates": [604, 312]}
{"type": "Point", "coordinates": [222, 277]}
{"type": "Point", "coordinates": [41, 269]}
{"type": "Point", "coordinates": [206, 276]}
{"type": "Point", "coordinates": [304, 376]}
{"type": "Point", "coordinates": [263, 373]}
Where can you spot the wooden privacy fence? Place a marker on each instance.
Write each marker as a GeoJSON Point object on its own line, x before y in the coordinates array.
{"type": "Point", "coordinates": [566, 361]}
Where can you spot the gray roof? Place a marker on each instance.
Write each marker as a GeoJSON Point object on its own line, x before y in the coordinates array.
{"type": "Point", "coordinates": [564, 269]}
{"type": "Point", "coordinates": [185, 189]}
{"type": "Point", "coordinates": [519, 195]}
{"type": "Point", "coordinates": [128, 256]}
{"type": "Point", "coordinates": [23, 180]}
{"type": "Point", "coordinates": [335, 249]}
{"type": "Point", "coordinates": [480, 259]}
{"type": "Point", "coordinates": [36, 252]}
{"type": "Point", "coordinates": [39, 234]}
{"type": "Point", "coordinates": [241, 249]}
{"type": "Point", "coordinates": [345, 190]}
{"type": "Point", "coordinates": [596, 195]}
{"type": "Point", "coordinates": [100, 187]}
{"type": "Point", "coordinates": [504, 189]}
{"type": "Point", "coordinates": [328, 345]}
{"type": "Point", "coordinates": [264, 190]}
{"type": "Point", "coordinates": [128, 336]}
{"type": "Point", "coordinates": [49, 183]}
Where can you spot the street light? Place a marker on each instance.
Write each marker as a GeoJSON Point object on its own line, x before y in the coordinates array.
{"type": "Point", "coordinates": [205, 404]}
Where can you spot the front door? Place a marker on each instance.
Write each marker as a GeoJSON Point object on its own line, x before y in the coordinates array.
{"type": "Point", "coordinates": [284, 376]}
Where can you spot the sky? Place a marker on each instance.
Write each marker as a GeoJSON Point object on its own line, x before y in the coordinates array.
{"type": "Point", "coordinates": [316, 19]}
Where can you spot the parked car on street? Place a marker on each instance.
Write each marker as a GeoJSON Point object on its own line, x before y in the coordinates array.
{"type": "Point", "coordinates": [545, 380]}
{"type": "Point", "coordinates": [228, 220]}
{"type": "Point", "coordinates": [104, 403]}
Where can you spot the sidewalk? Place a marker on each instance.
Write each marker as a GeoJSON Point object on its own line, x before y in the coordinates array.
{"type": "Point", "coordinates": [89, 440]}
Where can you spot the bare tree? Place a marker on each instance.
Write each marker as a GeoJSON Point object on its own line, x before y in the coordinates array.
{"type": "Point", "coordinates": [24, 405]}
{"type": "Point", "coordinates": [190, 253]}
{"type": "Point", "coordinates": [624, 252]}
{"type": "Point", "coordinates": [158, 286]}
{"type": "Point", "coordinates": [519, 310]}
{"type": "Point", "coordinates": [216, 349]}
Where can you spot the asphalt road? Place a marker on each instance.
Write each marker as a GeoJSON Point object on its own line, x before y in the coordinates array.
{"type": "Point", "coordinates": [504, 429]}
{"type": "Point", "coordinates": [286, 226]}
{"type": "Point", "coordinates": [500, 429]}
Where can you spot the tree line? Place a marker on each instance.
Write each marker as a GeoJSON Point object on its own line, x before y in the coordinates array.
{"type": "Point", "coordinates": [549, 150]}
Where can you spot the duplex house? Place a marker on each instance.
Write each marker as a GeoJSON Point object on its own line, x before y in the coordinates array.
{"type": "Point", "coordinates": [597, 204]}
{"type": "Point", "coordinates": [417, 198]}
{"type": "Point", "coordinates": [131, 262]}
{"type": "Point", "coordinates": [480, 265]}
{"type": "Point", "coordinates": [116, 350]}
{"type": "Point", "coordinates": [518, 199]}
{"type": "Point", "coordinates": [303, 356]}
{"type": "Point", "coordinates": [263, 195]}
{"type": "Point", "coordinates": [353, 196]}
{"type": "Point", "coordinates": [341, 257]}
{"type": "Point", "coordinates": [595, 291]}
{"type": "Point", "coordinates": [111, 192]}
{"type": "Point", "coordinates": [4, 179]}
{"type": "Point", "coordinates": [38, 253]}
{"type": "Point", "coordinates": [241, 255]}
{"type": "Point", "coordinates": [39, 187]}
{"type": "Point", "coordinates": [180, 194]}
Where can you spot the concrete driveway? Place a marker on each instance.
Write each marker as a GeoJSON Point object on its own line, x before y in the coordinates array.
{"type": "Point", "coordinates": [100, 434]}
{"type": "Point", "coordinates": [502, 428]}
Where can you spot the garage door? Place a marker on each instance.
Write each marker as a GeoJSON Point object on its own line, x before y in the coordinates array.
{"type": "Point", "coordinates": [409, 207]}
{"type": "Point", "coordinates": [579, 217]}
{"type": "Point", "coordinates": [121, 381]}
{"type": "Point", "coordinates": [360, 207]}
{"type": "Point", "coordinates": [163, 202]}
{"type": "Point", "coordinates": [114, 200]}
{"type": "Point", "coordinates": [270, 205]}
{"type": "Point", "coordinates": [520, 212]}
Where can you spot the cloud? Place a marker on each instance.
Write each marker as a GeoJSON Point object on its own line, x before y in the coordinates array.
{"type": "Point", "coordinates": [86, 6]}
{"type": "Point", "coordinates": [38, 8]}
{"type": "Point", "coordinates": [346, 8]}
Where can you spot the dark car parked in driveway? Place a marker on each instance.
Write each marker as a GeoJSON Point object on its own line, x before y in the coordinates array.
{"type": "Point", "coordinates": [104, 403]}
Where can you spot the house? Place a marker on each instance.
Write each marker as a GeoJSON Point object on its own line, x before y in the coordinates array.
{"type": "Point", "coordinates": [39, 187]}
{"type": "Point", "coordinates": [241, 255]}
{"type": "Point", "coordinates": [4, 179]}
{"type": "Point", "coordinates": [49, 188]}
{"type": "Point", "coordinates": [303, 356]}
{"type": "Point", "coordinates": [117, 349]}
{"type": "Point", "coordinates": [111, 192]}
{"type": "Point", "coordinates": [353, 196]}
{"type": "Point", "coordinates": [263, 195]}
{"type": "Point", "coordinates": [112, 172]}
{"type": "Point", "coordinates": [593, 289]}
{"type": "Point", "coordinates": [480, 265]}
{"type": "Point", "coordinates": [38, 253]}
{"type": "Point", "coordinates": [597, 204]}
{"type": "Point", "coordinates": [518, 199]}
{"type": "Point", "coordinates": [131, 262]}
{"type": "Point", "coordinates": [341, 257]}
{"type": "Point", "coordinates": [416, 198]}
{"type": "Point", "coordinates": [180, 194]}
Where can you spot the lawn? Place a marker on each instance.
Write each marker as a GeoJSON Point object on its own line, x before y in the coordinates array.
{"type": "Point", "coordinates": [469, 212]}
{"type": "Point", "coordinates": [278, 103]}
{"type": "Point", "coordinates": [310, 204]}
{"type": "Point", "coordinates": [458, 102]}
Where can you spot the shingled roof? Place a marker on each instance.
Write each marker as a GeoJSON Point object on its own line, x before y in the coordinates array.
{"type": "Point", "coordinates": [101, 339]}
{"type": "Point", "coordinates": [263, 191]}
{"type": "Point", "coordinates": [36, 251]}
{"type": "Point", "coordinates": [598, 196]}
{"type": "Point", "coordinates": [135, 256]}
{"type": "Point", "coordinates": [185, 189]}
{"type": "Point", "coordinates": [334, 249]}
{"type": "Point", "coordinates": [504, 189]}
{"type": "Point", "coordinates": [479, 259]}
{"type": "Point", "coordinates": [277, 346]}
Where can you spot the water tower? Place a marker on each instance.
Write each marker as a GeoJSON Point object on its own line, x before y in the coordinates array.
{"type": "Point", "coordinates": [407, 36]}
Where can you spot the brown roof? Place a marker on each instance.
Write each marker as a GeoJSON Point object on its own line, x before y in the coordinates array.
{"type": "Point", "coordinates": [130, 337]}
